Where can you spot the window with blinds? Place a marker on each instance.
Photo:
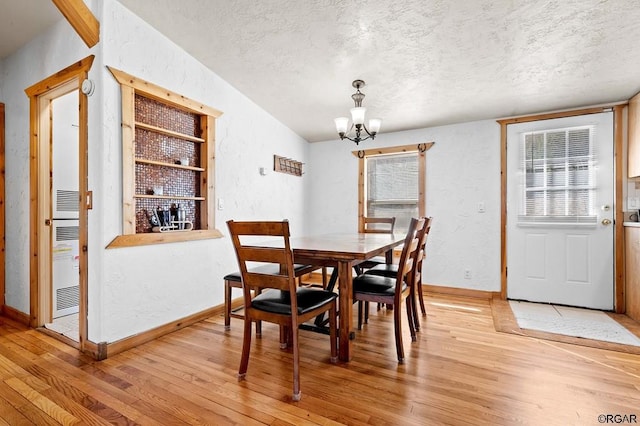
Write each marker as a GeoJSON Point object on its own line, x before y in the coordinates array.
{"type": "Point", "coordinates": [392, 188]}
{"type": "Point", "coordinates": [559, 171]}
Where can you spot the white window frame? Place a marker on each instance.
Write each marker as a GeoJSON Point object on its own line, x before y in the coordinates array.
{"type": "Point", "coordinates": [544, 164]}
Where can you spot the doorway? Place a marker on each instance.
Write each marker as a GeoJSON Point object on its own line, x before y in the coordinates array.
{"type": "Point", "coordinates": [65, 209]}
{"type": "Point", "coordinates": [58, 210]}
{"type": "Point", "coordinates": [560, 198]}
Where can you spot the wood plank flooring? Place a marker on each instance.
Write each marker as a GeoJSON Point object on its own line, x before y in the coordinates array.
{"type": "Point", "coordinates": [460, 371]}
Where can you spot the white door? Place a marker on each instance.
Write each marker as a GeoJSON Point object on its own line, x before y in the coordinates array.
{"type": "Point", "coordinates": [560, 211]}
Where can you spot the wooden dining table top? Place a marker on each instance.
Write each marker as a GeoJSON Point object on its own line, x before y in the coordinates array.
{"type": "Point", "coordinates": [343, 246]}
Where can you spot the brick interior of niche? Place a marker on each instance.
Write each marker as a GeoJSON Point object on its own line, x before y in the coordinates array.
{"type": "Point", "coordinates": [154, 146]}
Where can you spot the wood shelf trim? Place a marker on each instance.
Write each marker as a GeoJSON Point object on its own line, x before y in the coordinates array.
{"type": "Point", "coordinates": [169, 197]}
{"type": "Point", "coordinates": [166, 132]}
{"type": "Point", "coordinates": [163, 164]}
{"type": "Point", "coordinates": [151, 238]}
{"type": "Point", "coordinates": [158, 93]}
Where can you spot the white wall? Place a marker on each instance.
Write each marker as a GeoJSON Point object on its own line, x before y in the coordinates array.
{"type": "Point", "coordinates": [463, 169]}
{"type": "Point", "coordinates": [144, 287]}
{"type": "Point", "coordinates": [132, 290]}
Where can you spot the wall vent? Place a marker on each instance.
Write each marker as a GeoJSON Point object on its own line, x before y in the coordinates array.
{"type": "Point", "coordinates": [67, 201]}
{"type": "Point", "coordinates": [67, 297]}
{"type": "Point", "coordinates": [67, 233]}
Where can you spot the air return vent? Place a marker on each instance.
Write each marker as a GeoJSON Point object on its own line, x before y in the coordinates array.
{"type": "Point", "coordinates": [67, 297]}
{"type": "Point", "coordinates": [67, 233]}
{"type": "Point", "coordinates": [67, 201]}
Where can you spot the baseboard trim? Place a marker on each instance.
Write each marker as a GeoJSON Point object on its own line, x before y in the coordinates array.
{"type": "Point", "coordinates": [154, 333]}
{"type": "Point", "coordinates": [464, 292]}
{"type": "Point", "coordinates": [15, 315]}
{"type": "Point", "coordinates": [97, 351]}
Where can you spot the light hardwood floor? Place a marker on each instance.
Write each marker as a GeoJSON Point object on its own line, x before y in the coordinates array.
{"type": "Point", "coordinates": [460, 371]}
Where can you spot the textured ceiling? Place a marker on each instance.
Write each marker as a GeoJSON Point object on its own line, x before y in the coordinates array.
{"type": "Point", "coordinates": [425, 62]}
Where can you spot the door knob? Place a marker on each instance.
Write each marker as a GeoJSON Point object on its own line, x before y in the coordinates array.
{"type": "Point", "coordinates": [606, 222]}
{"type": "Point", "coordinates": [47, 222]}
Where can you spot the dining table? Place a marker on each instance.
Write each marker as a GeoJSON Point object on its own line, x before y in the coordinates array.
{"type": "Point", "coordinates": [343, 252]}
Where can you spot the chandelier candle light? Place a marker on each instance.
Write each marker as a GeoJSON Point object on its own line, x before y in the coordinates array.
{"type": "Point", "coordinates": [357, 119]}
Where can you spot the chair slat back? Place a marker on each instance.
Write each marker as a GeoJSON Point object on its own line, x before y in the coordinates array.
{"type": "Point", "coordinates": [409, 252]}
{"type": "Point", "coordinates": [372, 225]}
{"type": "Point", "coordinates": [279, 273]}
{"type": "Point", "coordinates": [422, 241]}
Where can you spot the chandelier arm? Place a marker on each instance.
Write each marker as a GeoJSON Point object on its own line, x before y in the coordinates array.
{"type": "Point", "coordinates": [366, 130]}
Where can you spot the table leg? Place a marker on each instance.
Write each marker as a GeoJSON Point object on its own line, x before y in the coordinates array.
{"type": "Point", "coordinates": [388, 256]}
{"type": "Point", "coordinates": [346, 310]}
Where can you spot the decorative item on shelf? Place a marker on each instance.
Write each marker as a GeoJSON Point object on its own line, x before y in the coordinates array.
{"type": "Point", "coordinates": [169, 220]}
{"type": "Point", "coordinates": [175, 226]}
{"type": "Point", "coordinates": [287, 165]}
{"type": "Point", "coordinates": [156, 190]}
{"type": "Point", "coordinates": [164, 216]}
{"type": "Point", "coordinates": [182, 217]}
{"type": "Point", "coordinates": [154, 220]}
{"type": "Point", "coordinates": [357, 119]}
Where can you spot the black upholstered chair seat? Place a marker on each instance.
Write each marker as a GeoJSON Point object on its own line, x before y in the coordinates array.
{"type": "Point", "coordinates": [269, 269]}
{"type": "Point", "coordinates": [370, 263]}
{"type": "Point", "coordinates": [384, 270]}
{"type": "Point", "coordinates": [278, 302]}
{"type": "Point", "coordinates": [375, 284]}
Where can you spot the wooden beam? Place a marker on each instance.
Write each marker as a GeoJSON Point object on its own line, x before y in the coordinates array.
{"type": "Point", "coordinates": [81, 19]}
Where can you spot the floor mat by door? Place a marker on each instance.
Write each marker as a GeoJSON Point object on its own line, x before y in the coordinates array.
{"type": "Point", "coordinates": [569, 325]}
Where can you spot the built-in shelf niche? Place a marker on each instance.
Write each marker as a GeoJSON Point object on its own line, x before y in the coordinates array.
{"type": "Point", "coordinates": [168, 159]}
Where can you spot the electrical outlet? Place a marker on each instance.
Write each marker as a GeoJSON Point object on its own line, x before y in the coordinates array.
{"type": "Point", "coordinates": [220, 204]}
{"type": "Point", "coordinates": [467, 274]}
{"type": "Point", "coordinates": [481, 207]}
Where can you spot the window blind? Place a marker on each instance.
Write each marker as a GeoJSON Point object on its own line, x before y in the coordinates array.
{"type": "Point", "coordinates": [392, 188]}
{"type": "Point", "coordinates": [559, 184]}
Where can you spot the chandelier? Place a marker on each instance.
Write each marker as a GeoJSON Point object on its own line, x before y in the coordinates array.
{"type": "Point", "coordinates": [357, 119]}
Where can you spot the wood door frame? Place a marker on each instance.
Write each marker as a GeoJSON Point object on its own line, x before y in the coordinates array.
{"type": "Point", "coordinates": [2, 209]}
{"type": "Point", "coordinates": [618, 246]}
{"type": "Point", "coordinates": [40, 96]}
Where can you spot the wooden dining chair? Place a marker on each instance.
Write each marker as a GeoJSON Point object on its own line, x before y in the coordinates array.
{"type": "Point", "coordinates": [274, 303]}
{"type": "Point", "coordinates": [234, 280]}
{"type": "Point", "coordinates": [379, 225]}
{"type": "Point", "coordinates": [375, 225]}
{"type": "Point", "coordinates": [382, 289]}
{"type": "Point", "coordinates": [390, 270]}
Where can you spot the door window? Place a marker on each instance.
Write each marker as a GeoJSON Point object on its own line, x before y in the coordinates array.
{"type": "Point", "coordinates": [559, 175]}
